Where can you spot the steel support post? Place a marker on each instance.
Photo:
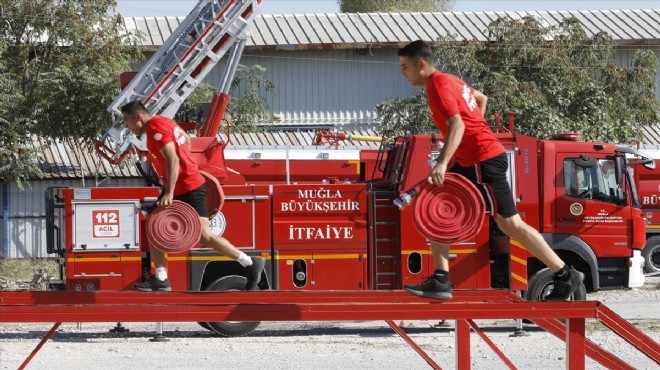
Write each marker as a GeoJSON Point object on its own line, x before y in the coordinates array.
{"type": "Point", "coordinates": [463, 356]}
{"type": "Point", "coordinates": [575, 344]}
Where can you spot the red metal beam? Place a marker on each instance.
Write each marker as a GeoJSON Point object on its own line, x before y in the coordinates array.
{"type": "Point", "coordinates": [463, 351]}
{"type": "Point", "coordinates": [575, 344]}
{"type": "Point", "coordinates": [38, 347]}
{"type": "Point", "coordinates": [598, 354]}
{"type": "Point", "coordinates": [492, 345]}
{"type": "Point", "coordinates": [629, 333]}
{"type": "Point", "coordinates": [136, 297]}
{"type": "Point", "coordinates": [269, 306]}
{"type": "Point", "coordinates": [131, 306]}
{"type": "Point", "coordinates": [414, 345]}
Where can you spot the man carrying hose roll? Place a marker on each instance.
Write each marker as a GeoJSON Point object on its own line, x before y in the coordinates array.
{"type": "Point", "coordinates": [170, 145]}
{"type": "Point", "coordinates": [458, 111]}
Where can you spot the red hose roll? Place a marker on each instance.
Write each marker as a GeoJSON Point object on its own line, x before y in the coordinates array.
{"type": "Point", "coordinates": [174, 229]}
{"type": "Point", "coordinates": [215, 197]}
{"type": "Point", "coordinates": [449, 213]}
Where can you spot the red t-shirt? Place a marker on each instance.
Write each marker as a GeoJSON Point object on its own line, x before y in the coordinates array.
{"type": "Point", "coordinates": [448, 95]}
{"type": "Point", "coordinates": [161, 131]}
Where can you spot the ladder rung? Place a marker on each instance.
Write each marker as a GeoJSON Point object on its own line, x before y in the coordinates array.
{"type": "Point", "coordinates": [386, 239]}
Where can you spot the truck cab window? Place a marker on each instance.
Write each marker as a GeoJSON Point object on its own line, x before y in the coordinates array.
{"type": "Point", "coordinates": [597, 182]}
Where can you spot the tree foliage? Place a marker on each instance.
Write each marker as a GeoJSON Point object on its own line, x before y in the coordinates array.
{"type": "Point", "coordinates": [61, 61]}
{"type": "Point", "coordinates": [555, 79]}
{"type": "Point", "coordinates": [248, 105]}
{"type": "Point", "coordinates": [393, 6]}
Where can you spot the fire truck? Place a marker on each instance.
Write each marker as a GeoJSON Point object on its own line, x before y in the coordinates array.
{"type": "Point", "coordinates": [324, 218]}
{"type": "Point", "coordinates": [648, 185]}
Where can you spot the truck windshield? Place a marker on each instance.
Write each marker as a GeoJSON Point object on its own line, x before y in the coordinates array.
{"type": "Point", "coordinates": [597, 182]}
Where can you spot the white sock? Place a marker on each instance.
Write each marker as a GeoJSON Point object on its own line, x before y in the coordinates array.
{"type": "Point", "coordinates": [161, 273]}
{"type": "Point", "coordinates": [244, 260]}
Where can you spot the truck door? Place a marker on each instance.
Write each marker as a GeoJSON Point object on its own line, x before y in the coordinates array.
{"type": "Point", "coordinates": [586, 205]}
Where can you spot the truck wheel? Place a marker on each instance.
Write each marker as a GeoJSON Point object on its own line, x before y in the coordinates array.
{"type": "Point", "coordinates": [651, 254]}
{"type": "Point", "coordinates": [540, 285]}
{"type": "Point", "coordinates": [205, 325]}
{"type": "Point", "coordinates": [230, 328]}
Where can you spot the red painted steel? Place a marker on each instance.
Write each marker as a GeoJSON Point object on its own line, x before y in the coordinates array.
{"type": "Point", "coordinates": [414, 345]}
{"type": "Point", "coordinates": [38, 347]}
{"type": "Point", "coordinates": [463, 352]}
{"type": "Point", "coordinates": [575, 344]}
{"type": "Point", "coordinates": [131, 306]}
{"type": "Point", "coordinates": [492, 345]}
{"type": "Point", "coordinates": [273, 306]}
{"type": "Point", "coordinates": [558, 329]}
{"type": "Point", "coordinates": [629, 333]}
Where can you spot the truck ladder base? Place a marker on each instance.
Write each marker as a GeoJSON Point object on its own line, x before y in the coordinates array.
{"type": "Point", "coordinates": [467, 305]}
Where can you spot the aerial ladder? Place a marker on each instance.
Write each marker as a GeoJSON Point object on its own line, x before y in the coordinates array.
{"type": "Point", "coordinates": [213, 29]}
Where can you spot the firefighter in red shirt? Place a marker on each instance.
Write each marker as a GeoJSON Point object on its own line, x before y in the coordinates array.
{"type": "Point", "coordinates": [458, 111]}
{"type": "Point", "coordinates": [170, 144]}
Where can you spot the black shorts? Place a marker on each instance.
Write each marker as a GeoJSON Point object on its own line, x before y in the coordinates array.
{"type": "Point", "coordinates": [197, 199]}
{"type": "Point", "coordinates": [490, 178]}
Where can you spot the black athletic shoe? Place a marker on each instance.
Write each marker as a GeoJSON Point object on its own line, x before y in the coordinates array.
{"type": "Point", "coordinates": [154, 285]}
{"type": "Point", "coordinates": [562, 290]}
{"type": "Point", "coordinates": [254, 273]}
{"type": "Point", "coordinates": [431, 288]}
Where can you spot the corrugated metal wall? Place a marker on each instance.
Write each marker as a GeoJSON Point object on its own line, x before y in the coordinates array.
{"type": "Point", "coordinates": [624, 57]}
{"type": "Point", "coordinates": [23, 231]}
{"type": "Point", "coordinates": [329, 86]}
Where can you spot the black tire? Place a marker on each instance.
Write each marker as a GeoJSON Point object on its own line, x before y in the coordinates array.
{"type": "Point", "coordinates": [651, 254]}
{"type": "Point", "coordinates": [231, 328]}
{"type": "Point", "coordinates": [204, 325]}
{"type": "Point", "coordinates": [540, 283]}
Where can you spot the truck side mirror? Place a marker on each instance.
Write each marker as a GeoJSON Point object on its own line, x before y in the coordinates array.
{"type": "Point", "coordinates": [646, 160]}
{"type": "Point", "coordinates": [585, 162]}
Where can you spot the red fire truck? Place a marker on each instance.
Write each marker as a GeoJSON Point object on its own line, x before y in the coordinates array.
{"type": "Point", "coordinates": [324, 219]}
{"type": "Point", "coordinates": [648, 185]}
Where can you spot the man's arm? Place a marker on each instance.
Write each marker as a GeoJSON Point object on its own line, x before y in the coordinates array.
{"type": "Point", "coordinates": [482, 100]}
{"type": "Point", "coordinates": [455, 130]}
{"type": "Point", "coordinates": [172, 173]}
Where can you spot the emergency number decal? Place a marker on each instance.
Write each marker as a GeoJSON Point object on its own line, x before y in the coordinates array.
{"type": "Point", "coordinates": [105, 224]}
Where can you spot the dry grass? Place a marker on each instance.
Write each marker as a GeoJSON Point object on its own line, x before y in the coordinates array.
{"type": "Point", "coordinates": [20, 269]}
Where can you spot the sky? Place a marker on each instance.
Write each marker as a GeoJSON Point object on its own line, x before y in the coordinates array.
{"type": "Point", "coordinates": [139, 8]}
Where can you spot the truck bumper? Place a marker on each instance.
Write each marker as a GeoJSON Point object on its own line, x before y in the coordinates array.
{"type": "Point", "coordinates": [636, 270]}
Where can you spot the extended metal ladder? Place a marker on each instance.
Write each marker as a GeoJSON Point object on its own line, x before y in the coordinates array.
{"type": "Point", "coordinates": [212, 28]}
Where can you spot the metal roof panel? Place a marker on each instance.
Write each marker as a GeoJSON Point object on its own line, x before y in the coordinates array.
{"type": "Point", "coordinates": [359, 28]}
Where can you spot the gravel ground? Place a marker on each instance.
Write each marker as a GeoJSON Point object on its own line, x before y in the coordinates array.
{"type": "Point", "coordinates": [316, 345]}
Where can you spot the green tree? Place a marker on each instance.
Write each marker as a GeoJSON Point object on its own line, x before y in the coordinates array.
{"type": "Point", "coordinates": [63, 59]}
{"type": "Point", "coordinates": [248, 105]}
{"type": "Point", "coordinates": [555, 79]}
{"type": "Point", "coordinates": [393, 6]}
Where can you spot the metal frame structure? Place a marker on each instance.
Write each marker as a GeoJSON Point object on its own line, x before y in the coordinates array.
{"type": "Point", "coordinates": [467, 305]}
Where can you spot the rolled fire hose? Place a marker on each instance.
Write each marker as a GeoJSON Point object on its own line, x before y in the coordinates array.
{"type": "Point", "coordinates": [449, 213]}
{"type": "Point", "coordinates": [215, 197]}
{"type": "Point", "coordinates": [174, 229]}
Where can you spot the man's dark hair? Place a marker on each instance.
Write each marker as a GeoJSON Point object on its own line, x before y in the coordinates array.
{"type": "Point", "coordinates": [417, 50]}
{"type": "Point", "coordinates": [134, 107]}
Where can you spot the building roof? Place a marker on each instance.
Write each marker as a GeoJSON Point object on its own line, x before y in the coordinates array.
{"type": "Point", "coordinates": [342, 30]}
{"type": "Point", "coordinates": [74, 159]}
